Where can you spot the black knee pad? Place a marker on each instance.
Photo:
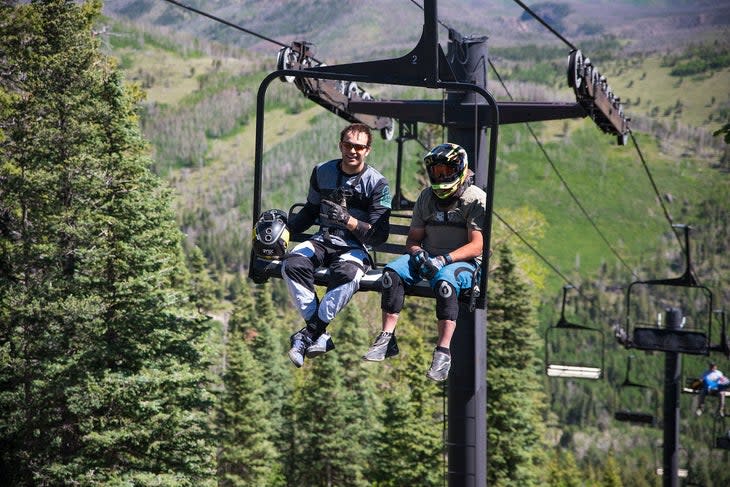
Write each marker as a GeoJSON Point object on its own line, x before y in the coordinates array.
{"type": "Point", "coordinates": [447, 302]}
{"type": "Point", "coordinates": [393, 295]}
{"type": "Point", "coordinates": [299, 269]}
{"type": "Point", "coordinates": [342, 272]}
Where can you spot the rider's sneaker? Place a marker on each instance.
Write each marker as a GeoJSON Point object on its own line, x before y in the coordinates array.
{"type": "Point", "coordinates": [385, 346]}
{"type": "Point", "coordinates": [440, 366]}
{"type": "Point", "coordinates": [300, 341]}
{"type": "Point", "coordinates": [321, 345]}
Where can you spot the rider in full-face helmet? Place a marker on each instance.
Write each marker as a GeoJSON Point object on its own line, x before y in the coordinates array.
{"type": "Point", "coordinates": [444, 246]}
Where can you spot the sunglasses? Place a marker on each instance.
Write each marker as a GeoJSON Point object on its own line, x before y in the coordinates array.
{"type": "Point", "coordinates": [348, 146]}
{"type": "Point", "coordinates": [442, 173]}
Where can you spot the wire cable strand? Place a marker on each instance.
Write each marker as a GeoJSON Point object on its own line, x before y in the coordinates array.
{"type": "Point", "coordinates": [534, 250]}
{"type": "Point", "coordinates": [223, 21]}
{"type": "Point", "coordinates": [661, 201]}
{"type": "Point", "coordinates": [636, 145]}
{"type": "Point", "coordinates": [539, 19]}
{"type": "Point", "coordinates": [565, 183]}
{"type": "Point", "coordinates": [421, 7]}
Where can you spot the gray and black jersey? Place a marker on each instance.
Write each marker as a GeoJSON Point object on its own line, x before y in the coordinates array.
{"type": "Point", "coordinates": [368, 199]}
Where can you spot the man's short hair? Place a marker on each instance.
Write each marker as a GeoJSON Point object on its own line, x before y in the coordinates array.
{"type": "Point", "coordinates": [357, 127]}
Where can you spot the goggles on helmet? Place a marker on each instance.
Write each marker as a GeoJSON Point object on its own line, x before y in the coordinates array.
{"type": "Point", "coordinates": [443, 172]}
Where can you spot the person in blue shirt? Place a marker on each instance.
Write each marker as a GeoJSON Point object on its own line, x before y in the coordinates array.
{"type": "Point", "coordinates": [713, 382]}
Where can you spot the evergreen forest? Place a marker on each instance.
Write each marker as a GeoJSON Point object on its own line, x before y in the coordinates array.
{"type": "Point", "coordinates": [135, 351]}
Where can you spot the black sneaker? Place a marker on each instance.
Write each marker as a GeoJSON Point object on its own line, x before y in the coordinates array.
{"type": "Point", "coordinates": [321, 345]}
{"type": "Point", "coordinates": [385, 346]}
{"type": "Point", "coordinates": [299, 343]}
{"type": "Point", "coordinates": [440, 366]}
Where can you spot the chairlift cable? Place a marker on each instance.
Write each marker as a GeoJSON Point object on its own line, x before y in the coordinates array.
{"type": "Point", "coordinates": [666, 212]}
{"type": "Point", "coordinates": [536, 252]}
{"type": "Point", "coordinates": [551, 29]}
{"type": "Point", "coordinates": [577, 202]}
{"type": "Point", "coordinates": [421, 7]}
{"type": "Point", "coordinates": [229, 24]}
{"type": "Point", "coordinates": [420, 142]}
{"type": "Point", "coordinates": [565, 183]}
{"type": "Point", "coordinates": [547, 262]}
{"type": "Point", "coordinates": [656, 191]}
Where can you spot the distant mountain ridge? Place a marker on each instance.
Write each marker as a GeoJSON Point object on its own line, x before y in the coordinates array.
{"type": "Point", "coordinates": [344, 29]}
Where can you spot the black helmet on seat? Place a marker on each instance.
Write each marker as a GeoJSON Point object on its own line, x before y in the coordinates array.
{"type": "Point", "coordinates": [270, 235]}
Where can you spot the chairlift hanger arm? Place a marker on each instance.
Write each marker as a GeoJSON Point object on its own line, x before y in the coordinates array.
{"type": "Point", "coordinates": [554, 368]}
{"type": "Point", "coordinates": [334, 96]}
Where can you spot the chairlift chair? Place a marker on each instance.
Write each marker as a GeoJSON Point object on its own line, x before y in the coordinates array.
{"type": "Point", "coordinates": [314, 78]}
{"type": "Point", "coordinates": [721, 433]}
{"type": "Point", "coordinates": [646, 335]}
{"type": "Point", "coordinates": [554, 367]}
{"type": "Point", "coordinates": [682, 472]}
{"type": "Point", "coordinates": [636, 417]}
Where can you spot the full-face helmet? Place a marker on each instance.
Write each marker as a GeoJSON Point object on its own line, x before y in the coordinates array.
{"type": "Point", "coordinates": [447, 166]}
{"type": "Point", "coordinates": [271, 235]}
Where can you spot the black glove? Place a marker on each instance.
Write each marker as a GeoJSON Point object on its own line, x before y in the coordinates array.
{"type": "Point", "coordinates": [427, 266]}
{"type": "Point", "coordinates": [332, 214]}
{"type": "Point", "coordinates": [418, 258]}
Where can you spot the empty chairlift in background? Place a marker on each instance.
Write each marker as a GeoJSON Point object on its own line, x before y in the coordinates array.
{"type": "Point", "coordinates": [632, 399]}
{"type": "Point", "coordinates": [648, 301]}
{"type": "Point", "coordinates": [573, 351]}
{"type": "Point", "coordinates": [721, 433]}
{"type": "Point", "coordinates": [683, 472]}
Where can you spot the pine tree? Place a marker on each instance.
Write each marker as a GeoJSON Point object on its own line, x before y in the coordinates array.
{"type": "Point", "coordinates": [410, 441]}
{"type": "Point", "coordinates": [203, 288]}
{"type": "Point", "coordinates": [326, 445]}
{"type": "Point", "coordinates": [352, 340]}
{"type": "Point", "coordinates": [514, 398]}
{"type": "Point", "coordinates": [247, 453]}
{"type": "Point", "coordinates": [611, 476]}
{"type": "Point", "coordinates": [267, 345]}
{"type": "Point", "coordinates": [101, 352]}
{"type": "Point", "coordinates": [562, 470]}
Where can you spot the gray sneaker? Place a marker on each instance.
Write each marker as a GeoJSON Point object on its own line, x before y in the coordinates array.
{"type": "Point", "coordinates": [321, 345]}
{"type": "Point", "coordinates": [440, 366]}
{"type": "Point", "coordinates": [385, 346]}
{"type": "Point", "coordinates": [299, 344]}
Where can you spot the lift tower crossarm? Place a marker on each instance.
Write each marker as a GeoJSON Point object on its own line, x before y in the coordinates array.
{"type": "Point", "coordinates": [453, 114]}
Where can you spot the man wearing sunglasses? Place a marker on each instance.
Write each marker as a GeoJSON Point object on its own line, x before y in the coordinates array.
{"type": "Point", "coordinates": [444, 246]}
{"type": "Point", "coordinates": [352, 201]}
